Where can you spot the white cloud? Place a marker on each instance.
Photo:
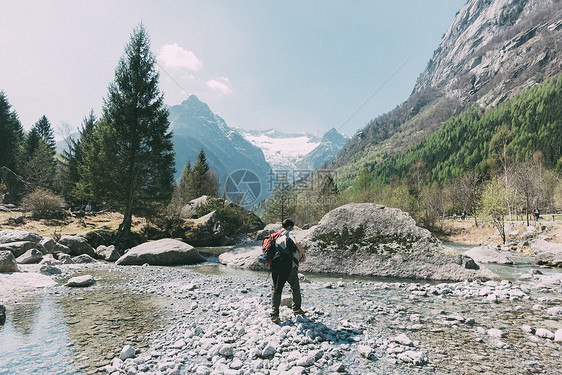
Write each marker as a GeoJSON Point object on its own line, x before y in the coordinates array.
{"type": "Point", "coordinates": [175, 57]}
{"type": "Point", "coordinates": [223, 87]}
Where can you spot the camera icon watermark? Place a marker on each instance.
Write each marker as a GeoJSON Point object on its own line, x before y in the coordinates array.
{"type": "Point", "coordinates": [243, 187]}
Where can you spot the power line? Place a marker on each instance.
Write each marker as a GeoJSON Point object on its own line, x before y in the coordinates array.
{"type": "Point", "coordinates": [376, 92]}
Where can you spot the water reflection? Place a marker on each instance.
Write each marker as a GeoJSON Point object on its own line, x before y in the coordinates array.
{"type": "Point", "coordinates": [35, 340]}
{"type": "Point", "coordinates": [73, 333]}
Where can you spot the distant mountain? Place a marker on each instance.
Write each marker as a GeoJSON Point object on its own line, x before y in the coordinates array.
{"type": "Point", "coordinates": [196, 127]}
{"type": "Point", "coordinates": [295, 151]}
{"type": "Point", "coordinates": [493, 50]}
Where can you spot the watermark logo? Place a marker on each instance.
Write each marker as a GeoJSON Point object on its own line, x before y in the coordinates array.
{"type": "Point", "coordinates": [243, 187]}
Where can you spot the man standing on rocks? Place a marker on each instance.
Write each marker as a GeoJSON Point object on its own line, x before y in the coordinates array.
{"type": "Point", "coordinates": [284, 268]}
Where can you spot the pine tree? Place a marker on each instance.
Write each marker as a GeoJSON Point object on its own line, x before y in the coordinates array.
{"type": "Point", "coordinates": [202, 180]}
{"type": "Point", "coordinates": [39, 161]}
{"type": "Point", "coordinates": [73, 158]}
{"type": "Point", "coordinates": [11, 135]}
{"type": "Point", "coordinates": [46, 132]}
{"type": "Point", "coordinates": [130, 161]}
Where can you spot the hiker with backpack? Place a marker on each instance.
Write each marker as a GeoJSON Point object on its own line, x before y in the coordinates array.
{"type": "Point", "coordinates": [284, 261]}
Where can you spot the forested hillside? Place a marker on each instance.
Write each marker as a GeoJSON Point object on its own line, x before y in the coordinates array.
{"type": "Point", "coordinates": [529, 123]}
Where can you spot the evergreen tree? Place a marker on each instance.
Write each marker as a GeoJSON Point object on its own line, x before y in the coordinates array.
{"type": "Point", "coordinates": [129, 163]}
{"type": "Point", "coordinates": [11, 135]}
{"type": "Point", "coordinates": [73, 158]}
{"type": "Point", "coordinates": [202, 180]}
{"type": "Point", "coordinates": [45, 131]}
{"type": "Point", "coordinates": [39, 161]}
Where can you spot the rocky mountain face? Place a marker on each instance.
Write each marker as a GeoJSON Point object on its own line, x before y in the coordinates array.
{"type": "Point", "coordinates": [494, 50]}
{"type": "Point", "coordinates": [296, 151]}
{"type": "Point", "coordinates": [196, 127]}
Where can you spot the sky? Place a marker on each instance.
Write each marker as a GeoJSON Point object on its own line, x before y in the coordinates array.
{"type": "Point", "coordinates": [291, 65]}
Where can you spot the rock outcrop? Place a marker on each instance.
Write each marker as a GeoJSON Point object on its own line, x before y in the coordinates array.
{"type": "Point", "coordinates": [371, 240]}
{"type": "Point", "coordinates": [547, 253]}
{"type": "Point", "coordinates": [488, 254]}
{"type": "Point", "coordinates": [14, 235]}
{"type": "Point", "coordinates": [165, 252]}
{"type": "Point", "coordinates": [8, 262]}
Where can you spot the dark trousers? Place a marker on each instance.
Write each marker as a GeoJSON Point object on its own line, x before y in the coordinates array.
{"type": "Point", "coordinates": [282, 271]}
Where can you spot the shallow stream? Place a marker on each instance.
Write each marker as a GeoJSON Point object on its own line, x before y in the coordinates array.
{"type": "Point", "coordinates": [76, 331]}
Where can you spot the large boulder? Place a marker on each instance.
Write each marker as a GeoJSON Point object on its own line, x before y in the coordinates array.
{"type": "Point", "coordinates": [165, 252]}
{"type": "Point", "coordinates": [77, 245]}
{"type": "Point", "coordinates": [374, 240]}
{"type": "Point", "coordinates": [243, 256]}
{"type": "Point", "coordinates": [14, 235]}
{"type": "Point", "coordinates": [30, 257]}
{"type": "Point", "coordinates": [189, 210]}
{"type": "Point", "coordinates": [488, 254]}
{"type": "Point", "coordinates": [8, 262]}
{"type": "Point", "coordinates": [547, 253]}
{"type": "Point", "coordinates": [18, 248]}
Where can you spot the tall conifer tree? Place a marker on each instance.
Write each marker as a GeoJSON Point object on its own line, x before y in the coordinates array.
{"type": "Point", "coordinates": [131, 158]}
{"type": "Point", "coordinates": [11, 135]}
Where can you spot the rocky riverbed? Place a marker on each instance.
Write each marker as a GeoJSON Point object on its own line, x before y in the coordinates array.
{"type": "Point", "coordinates": [178, 320]}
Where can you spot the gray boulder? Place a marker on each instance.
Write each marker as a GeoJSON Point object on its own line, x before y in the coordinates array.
{"type": "Point", "coordinates": [64, 258]}
{"type": "Point", "coordinates": [243, 256]}
{"type": "Point", "coordinates": [83, 259]}
{"type": "Point", "coordinates": [50, 259]}
{"type": "Point", "coordinates": [373, 240]}
{"type": "Point", "coordinates": [50, 270]}
{"type": "Point", "coordinates": [189, 210]}
{"type": "Point", "coordinates": [488, 254]}
{"type": "Point", "coordinates": [14, 235]}
{"type": "Point", "coordinates": [81, 281]}
{"type": "Point", "coordinates": [18, 248]}
{"type": "Point", "coordinates": [77, 245]}
{"type": "Point", "coordinates": [108, 253]}
{"type": "Point", "coordinates": [48, 244]}
{"type": "Point", "coordinates": [8, 262]}
{"type": "Point", "coordinates": [165, 252]}
{"type": "Point", "coordinates": [30, 257]}
{"type": "Point", "coordinates": [547, 253]}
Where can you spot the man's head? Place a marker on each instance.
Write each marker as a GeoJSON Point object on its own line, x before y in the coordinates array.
{"type": "Point", "coordinates": [288, 224]}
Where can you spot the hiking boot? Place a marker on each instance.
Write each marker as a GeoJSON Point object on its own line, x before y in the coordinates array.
{"type": "Point", "coordinates": [275, 320]}
{"type": "Point", "coordinates": [299, 312]}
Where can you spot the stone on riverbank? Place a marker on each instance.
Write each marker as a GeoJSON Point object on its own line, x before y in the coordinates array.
{"type": "Point", "coordinates": [2, 314]}
{"type": "Point", "coordinates": [109, 253]}
{"type": "Point", "coordinates": [8, 262]}
{"type": "Point", "coordinates": [83, 259]}
{"type": "Point", "coordinates": [81, 281]}
{"type": "Point", "coordinates": [18, 248]}
{"type": "Point", "coordinates": [30, 257]}
{"type": "Point", "coordinates": [14, 235]}
{"type": "Point", "coordinates": [165, 252]}
{"type": "Point", "coordinates": [127, 352]}
{"type": "Point", "coordinates": [77, 245]}
{"type": "Point", "coordinates": [547, 253]}
{"type": "Point", "coordinates": [488, 254]}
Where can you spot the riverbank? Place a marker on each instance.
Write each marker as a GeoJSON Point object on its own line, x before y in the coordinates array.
{"type": "Point", "coordinates": [466, 231]}
{"type": "Point", "coordinates": [183, 321]}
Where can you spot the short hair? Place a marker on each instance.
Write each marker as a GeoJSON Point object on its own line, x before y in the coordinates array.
{"type": "Point", "coordinates": [287, 223]}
